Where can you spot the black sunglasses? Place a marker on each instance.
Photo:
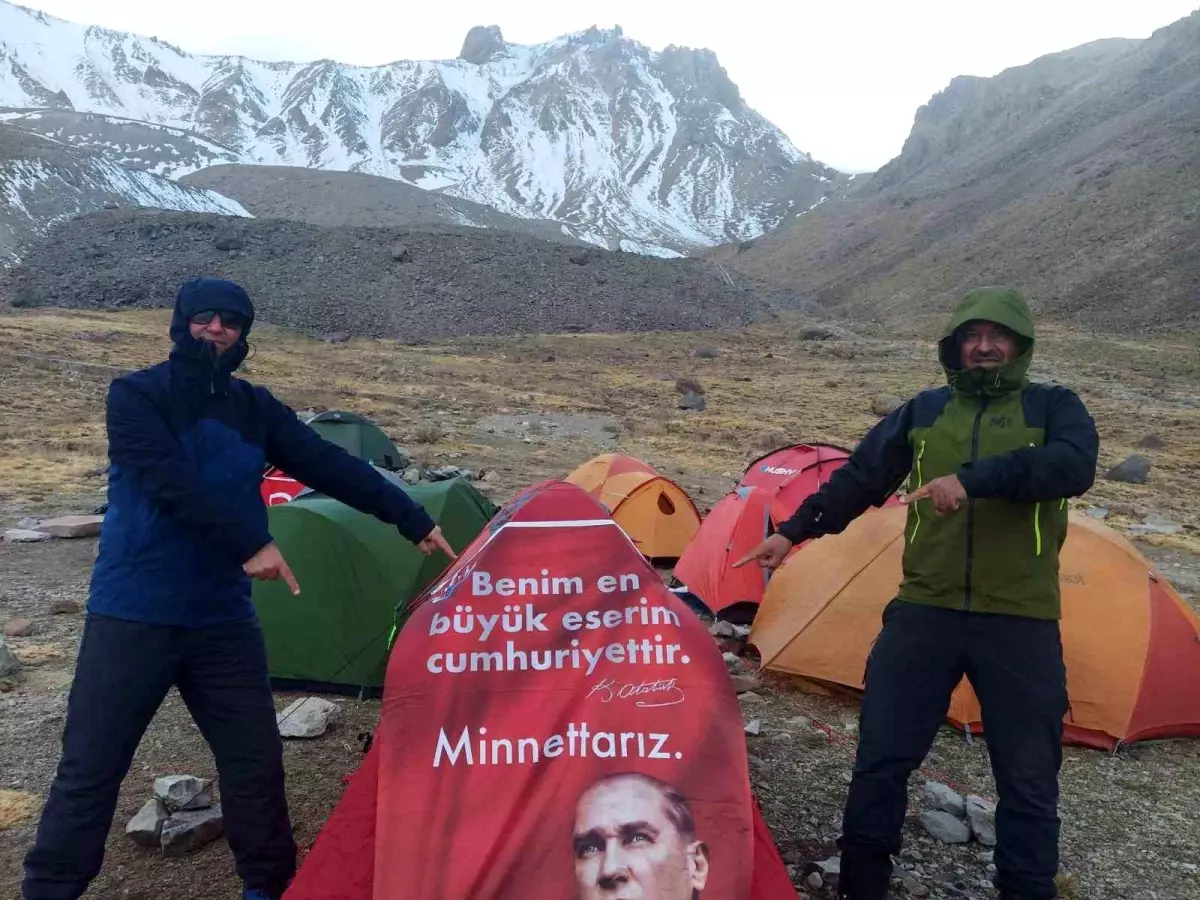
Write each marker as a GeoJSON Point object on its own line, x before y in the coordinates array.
{"type": "Point", "coordinates": [229, 319]}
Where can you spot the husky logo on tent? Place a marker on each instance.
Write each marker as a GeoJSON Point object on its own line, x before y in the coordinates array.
{"type": "Point", "coordinates": [778, 470]}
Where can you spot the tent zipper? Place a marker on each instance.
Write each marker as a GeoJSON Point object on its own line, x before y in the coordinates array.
{"type": "Point", "coordinates": [971, 507]}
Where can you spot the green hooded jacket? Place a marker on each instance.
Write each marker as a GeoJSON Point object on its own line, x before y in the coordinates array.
{"type": "Point", "coordinates": [1019, 449]}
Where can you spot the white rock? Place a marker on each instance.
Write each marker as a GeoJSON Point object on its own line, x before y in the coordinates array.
{"type": "Point", "coordinates": [146, 827]}
{"type": "Point", "coordinates": [754, 726]}
{"type": "Point", "coordinates": [939, 796]}
{"type": "Point", "coordinates": [733, 663]}
{"type": "Point", "coordinates": [815, 881]}
{"type": "Point", "coordinates": [831, 866]}
{"type": "Point", "coordinates": [945, 827]}
{"type": "Point", "coordinates": [72, 526]}
{"type": "Point", "coordinates": [750, 697]}
{"type": "Point", "coordinates": [721, 628]}
{"type": "Point", "coordinates": [186, 831]}
{"type": "Point", "coordinates": [180, 792]}
{"type": "Point", "coordinates": [307, 717]}
{"type": "Point", "coordinates": [8, 662]}
{"type": "Point", "coordinates": [982, 816]}
{"type": "Point", "coordinates": [25, 536]}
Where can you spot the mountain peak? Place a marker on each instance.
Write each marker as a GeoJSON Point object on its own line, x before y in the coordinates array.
{"type": "Point", "coordinates": [482, 43]}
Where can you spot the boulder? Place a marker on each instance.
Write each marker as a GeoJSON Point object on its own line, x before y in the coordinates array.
{"type": "Point", "coordinates": [945, 827]}
{"type": "Point", "coordinates": [64, 608]}
{"type": "Point", "coordinates": [146, 827]}
{"type": "Point", "coordinates": [307, 717]}
{"type": "Point", "coordinates": [72, 526]}
{"type": "Point", "coordinates": [744, 684]}
{"type": "Point", "coordinates": [885, 405]}
{"type": "Point", "coordinates": [939, 796]}
{"type": "Point", "coordinates": [8, 662]}
{"type": "Point", "coordinates": [184, 792]}
{"type": "Point", "coordinates": [693, 402]}
{"type": "Point", "coordinates": [190, 830]}
{"type": "Point", "coordinates": [982, 816]}
{"type": "Point", "coordinates": [25, 536]}
{"type": "Point", "coordinates": [1151, 442]}
{"type": "Point", "coordinates": [18, 628]}
{"type": "Point", "coordinates": [688, 386]}
{"type": "Point", "coordinates": [1134, 470]}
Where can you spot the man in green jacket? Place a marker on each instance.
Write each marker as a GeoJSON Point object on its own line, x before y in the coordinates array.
{"type": "Point", "coordinates": [990, 460]}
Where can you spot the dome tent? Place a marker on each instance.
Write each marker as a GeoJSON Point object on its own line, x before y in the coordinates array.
{"type": "Point", "coordinates": [356, 575]}
{"type": "Point", "coordinates": [1130, 643]}
{"type": "Point", "coordinates": [656, 513]}
{"type": "Point", "coordinates": [360, 437]}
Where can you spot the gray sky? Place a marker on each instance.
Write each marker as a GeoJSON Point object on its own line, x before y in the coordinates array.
{"type": "Point", "coordinates": [843, 80]}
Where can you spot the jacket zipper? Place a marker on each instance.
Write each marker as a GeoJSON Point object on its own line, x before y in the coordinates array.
{"type": "Point", "coordinates": [971, 506]}
{"type": "Point", "coordinates": [917, 506]}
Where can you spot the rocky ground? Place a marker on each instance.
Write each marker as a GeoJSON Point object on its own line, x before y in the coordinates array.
{"type": "Point", "coordinates": [533, 407]}
{"type": "Point", "coordinates": [412, 283]}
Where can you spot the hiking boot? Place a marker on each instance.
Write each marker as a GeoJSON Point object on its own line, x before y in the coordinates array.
{"type": "Point", "coordinates": [865, 875]}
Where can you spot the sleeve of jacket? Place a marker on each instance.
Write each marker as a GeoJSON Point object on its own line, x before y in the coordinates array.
{"type": "Point", "coordinates": [1064, 466]}
{"type": "Point", "coordinates": [874, 470]}
{"type": "Point", "coordinates": [326, 467]}
{"type": "Point", "coordinates": [141, 443]}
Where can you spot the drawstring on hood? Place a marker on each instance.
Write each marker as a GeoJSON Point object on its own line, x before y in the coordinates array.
{"type": "Point", "coordinates": [1004, 306]}
{"type": "Point", "coordinates": [204, 371]}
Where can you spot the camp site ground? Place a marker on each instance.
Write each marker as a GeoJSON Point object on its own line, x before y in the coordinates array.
{"type": "Point", "coordinates": [1129, 829]}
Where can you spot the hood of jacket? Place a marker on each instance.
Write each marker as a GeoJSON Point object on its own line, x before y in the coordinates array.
{"type": "Point", "coordinates": [197, 361]}
{"type": "Point", "coordinates": [1004, 306]}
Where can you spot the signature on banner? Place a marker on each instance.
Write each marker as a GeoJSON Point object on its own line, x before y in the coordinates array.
{"type": "Point", "coordinates": [659, 692]}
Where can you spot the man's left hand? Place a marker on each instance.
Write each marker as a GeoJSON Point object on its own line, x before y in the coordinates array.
{"type": "Point", "coordinates": [436, 541]}
{"type": "Point", "coordinates": [947, 493]}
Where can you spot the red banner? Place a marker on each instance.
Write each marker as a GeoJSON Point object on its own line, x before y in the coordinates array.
{"type": "Point", "coordinates": [558, 724]}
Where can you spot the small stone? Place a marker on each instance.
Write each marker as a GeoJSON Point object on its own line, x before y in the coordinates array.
{"type": "Point", "coordinates": [146, 827]}
{"type": "Point", "coordinates": [733, 663]}
{"type": "Point", "coordinates": [25, 536]}
{"type": "Point", "coordinates": [190, 830]}
{"type": "Point", "coordinates": [885, 405]}
{"type": "Point", "coordinates": [1151, 442]}
{"type": "Point", "coordinates": [1134, 470]}
{"type": "Point", "coordinates": [401, 253]}
{"type": "Point", "coordinates": [706, 353]}
{"type": "Point", "coordinates": [18, 628]}
{"type": "Point", "coordinates": [413, 474]}
{"type": "Point", "coordinates": [64, 608]}
{"type": "Point", "coordinates": [743, 683]}
{"type": "Point", "coordinates": [490, 476]}
{"type": "Point", "coordinates": [721, 628]}
{"type": "Point", "coordinates": [814, 881]}
{"type": "Point", "coordinates": [982, 816]}
{"type": "Point", "coordinates": [1157, 525]}
{"type": "Point", "coordinates": [225, 242]}
{"type": "Point", "coordinates": [798, 722]}
{"type": "Point", "coordinates": [184, 792]}
{"type": "Point", "coordinates": [913, 886]}
{"type": "Point", "coordinates": [29, 524]}
{"type": "Point", "coordinates": [986, 856]}
{"type": "Point", "coordinates": [72, 526]}
{"type": "Point", "coordinates": [750, 697]}
{"type": "Point", "coordinates": [1097, 512]}
{"type": "Point", "coordinates": [753, 726]}
{"type": "Point", "coordinates": [307, 717]}
{"type": "Point", "coordinates": [944, 826]}
{"type": "Point", "coordinates": [939, 796]}
{"type": "Point", "coordinates": [741, 632]}
{"type": "Point", "coordinates": [693, 402]}
{"type": "Point", "coordinates": [8, 662]}
{"type": "Point", "coordinates": [688, 386]}
{"type": "Point", "coordinates": [337, 337]}
{"type": "Point", "coordinates": [831, 866]}
{"type": "Point", "coordinates": [991, 870]}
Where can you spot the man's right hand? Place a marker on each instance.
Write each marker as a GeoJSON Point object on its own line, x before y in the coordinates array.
{"type": "Point", "coordinates": [268, 564]}
{"type": "Point", "coordinates": [770, 553]}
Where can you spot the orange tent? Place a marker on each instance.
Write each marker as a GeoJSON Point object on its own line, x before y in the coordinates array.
{"type": "Point", "coordinates": [1131, 644]}
{"type": "Point", "coordinates": [654, 511]}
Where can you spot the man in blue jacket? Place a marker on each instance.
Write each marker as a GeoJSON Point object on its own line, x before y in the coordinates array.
{"type": "Point", "coordinates": [170, 603]}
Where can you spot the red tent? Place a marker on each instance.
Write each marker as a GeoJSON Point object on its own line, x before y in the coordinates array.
{"type": "Point", "coordinates": [792, 473]}
{"type": "Point", "coordinates": [546, 698]}
{"type": "Point", "coordinates": [732, 529]}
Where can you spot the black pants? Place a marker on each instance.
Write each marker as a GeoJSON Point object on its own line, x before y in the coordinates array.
{"type": "Point", "coordinates": [1015, 665]}
{"type": "Point", "coordinates": [123, 673]}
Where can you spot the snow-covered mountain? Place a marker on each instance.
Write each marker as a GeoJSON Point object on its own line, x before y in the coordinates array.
{"type": "Point", "coordinates": [651, 151]}
{"type": "Point", "coordinates": [43, 183]}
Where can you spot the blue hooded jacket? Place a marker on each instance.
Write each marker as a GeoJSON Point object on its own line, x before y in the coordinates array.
{"type": "Point", "coordinates": [188, 444]}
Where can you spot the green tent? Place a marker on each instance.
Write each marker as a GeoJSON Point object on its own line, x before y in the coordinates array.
{"type": "Point", "coordinates": [359, 437]}
{"type": "Point", "coordinates": [356, 575]}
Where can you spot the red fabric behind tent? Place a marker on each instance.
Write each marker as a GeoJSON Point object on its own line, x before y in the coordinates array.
{"type": "Point", "coordinates": [279, 488]}
{"type": "Point", "coordinates": [451, 817]}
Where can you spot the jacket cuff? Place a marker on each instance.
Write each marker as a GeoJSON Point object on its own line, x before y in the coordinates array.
{"type": "Point", "coordinates": [416, 526]}
{"type": "Point", "coordinates": [973, 480]}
